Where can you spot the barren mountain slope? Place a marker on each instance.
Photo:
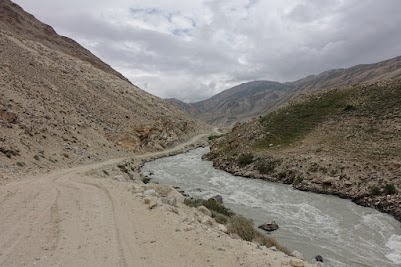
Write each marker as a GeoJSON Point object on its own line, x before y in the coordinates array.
{"type": "Point", "coordinates": [259, 97]}
{"type": "Point", "coordinates": [15, 20]}
{"type": "Point", "coordinates": [58, 108]}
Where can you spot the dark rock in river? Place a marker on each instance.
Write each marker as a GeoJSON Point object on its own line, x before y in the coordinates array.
{"type": "Point", "coordinates": [146, 180]}
{"type": "Point", "coordinates": [269, 226]}
{"type": "Point", "coordinates": [217, 198]}
{"type": "Point", "coordinates": [319, 258]}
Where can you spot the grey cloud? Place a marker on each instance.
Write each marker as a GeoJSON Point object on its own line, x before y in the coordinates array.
{"type": "Point", "coordinates": [174, 50]}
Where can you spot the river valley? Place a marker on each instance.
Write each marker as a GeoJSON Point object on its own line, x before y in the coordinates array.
{"type": "Point", "coordinates": [344, 233]}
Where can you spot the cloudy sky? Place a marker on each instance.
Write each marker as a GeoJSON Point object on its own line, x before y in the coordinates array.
{"type": "Point", "coordinates": [193, 49]}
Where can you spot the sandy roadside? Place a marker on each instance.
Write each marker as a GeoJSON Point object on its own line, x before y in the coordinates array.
{"type": "Point", "coordinates": [70, 218]}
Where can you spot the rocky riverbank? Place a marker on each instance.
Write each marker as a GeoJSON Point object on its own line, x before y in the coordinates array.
{"type": "Point", "coordinates": [344, 141]}
{"type": "Point", "coordinates": [314, 178]}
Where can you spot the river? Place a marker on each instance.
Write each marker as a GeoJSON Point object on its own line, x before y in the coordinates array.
{"type": "Point", "coordinates": [344, 233]}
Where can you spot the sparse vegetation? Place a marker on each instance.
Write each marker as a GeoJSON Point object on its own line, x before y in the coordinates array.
{"type": "Point", "coordinates": [241, 226]}
{"type": "Point", "coordinates": [236, 224]}
{"type": "Point", "coordinates": [213, 206]}
{"type": "Point", "coordinates": [375, 191]}
{"type": "Point", "coordinates": [20, 164]}
{"type": "Point", "coordinates": [298, 180]}
{"type": "Point", "coordinates": [390, 189]}
{"type": "Point", "coordinates": [267, 165]}
{"type": "Point", "coordinates": [349, 108]}
{"type": "Point", "coordinates": [245, 159]}
{"type": "Point", "coordinates": [293, 122]}
{"type": "Point", "coordinates": [213, 137]}
{"type": "Point", "coordinates": [245, 228]}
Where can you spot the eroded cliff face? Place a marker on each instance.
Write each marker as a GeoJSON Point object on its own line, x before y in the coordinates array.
{"type": "Point", "coordinates": [344, 142]}
{"type": "Point", "coordinates": [60, 104]}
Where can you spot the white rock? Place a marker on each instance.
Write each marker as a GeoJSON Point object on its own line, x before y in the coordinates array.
{"type": "Point", "coordinates": [153, 204]}
{"type": "Point", "coordinates": [119, 178]}
{"type": "Point", "coordinates": [297, 263]}
{"type": "Point", "coordinates": [235, 236]}
{"type": "Point", "coordinates": [150, 193]}
{"type": "Point", "coordinates": [297, 255]}
{"type": "Point", "coordinates": [205, 210]}
{"type": "Point", "coordinates": [175, 197]}
{"type": "Point", "coordinates": [222, 228]}
{"type": "Point", "coordinates": [207, 220]}
{"type": "Point", "coordinates": [189, 228]}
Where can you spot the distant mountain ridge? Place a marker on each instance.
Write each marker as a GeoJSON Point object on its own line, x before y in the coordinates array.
{"type": "Point", "coordinates": [259, 97]}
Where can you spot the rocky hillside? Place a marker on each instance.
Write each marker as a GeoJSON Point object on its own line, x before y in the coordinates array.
{"type": "Point", "coordinates": [260, 97]}
{"type": "Point", "coordinates": [344, 141]}
{"type": "Point", "coordinates": [60, 104]}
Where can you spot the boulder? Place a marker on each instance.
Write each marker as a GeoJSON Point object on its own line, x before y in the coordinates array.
{"type": "Point", "coordinates": [8, 116]}
{"type": "Point", "coordinates": [146, 179]}
{"type": "Point", "coordinates": [319, 258]}
{"type": "Point", "coordinates": [235, 236]}
{"type": "Point", "coordinates": [119, 178]}
{"type": "Point", "coordinates": [269, 226]}
{"type": "Point", "coordinates": [297, 255]}
{"type": "Point", "coordinates": [222, 228]}
{"type": "Point", "coordinates": [150, 193]}
{"type": "Point", "coordinates": [175, 197]}
{"type": "Point", "coordinates": [153, 204]}
{"type": "Point", "coordinates": [207, 220]}
{"type": "Point", "coordinates": [205, 210]}
{"type": "Point", "coordinates": [328, 180]}
{"type": "Point", "coordinates": [297, 263]}
{"type": "Point", "coordinates": [217, 199]}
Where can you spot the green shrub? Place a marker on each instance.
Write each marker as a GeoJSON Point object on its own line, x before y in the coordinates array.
{"type": "Point", "coordinates": [269, 241]}
{"type": "Point", "coordinates": [241, 226]}
{"type": "Point", "coordinates": [244, 228]}
{"type": "Point", "coordinates": [389, 189]}
{"type": "Point", "coordinates": [376, 191]}
{"type": "Point", "coordinates": [20, 164]}
{"type": "Point", "coordinates": [349, 108]}
{"type": "Point", "coordinates": [245, 159]}
{"type": "Point", "coordinates": [213, 206]}
{"type": "Point", "coordinates": [267, 166]}
{"type": "Point", "coordinates": [220, 218]}
{"type": "Point", "coordinates": [298, 180]}
{"type": "Point", "coordinates": [219, 208]}
{"type": "Point", "coordinates": [213, 137]}
{"type": "Point", "coordinates": [236, 224]}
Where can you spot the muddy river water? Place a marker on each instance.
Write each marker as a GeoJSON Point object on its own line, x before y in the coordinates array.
{"type": "Point", "coordinates": [344, 233]}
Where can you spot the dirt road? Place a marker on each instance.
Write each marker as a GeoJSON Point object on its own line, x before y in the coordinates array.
{"type": "Point", "coordinates": [66, 218]}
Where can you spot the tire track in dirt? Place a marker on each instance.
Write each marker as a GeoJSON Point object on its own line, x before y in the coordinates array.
{"type": "Point", "coordinates": [55, 223]}
{"type": "Point", "coordinates": [116, 228]}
